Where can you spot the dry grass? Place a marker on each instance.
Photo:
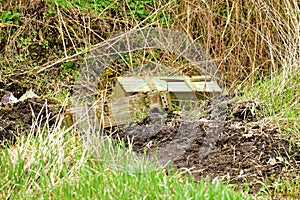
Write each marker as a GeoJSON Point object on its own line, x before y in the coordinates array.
{"type": "Point", "coordinates": [247, 39]}
{"type": "Point", "coordinates": [43, 43]}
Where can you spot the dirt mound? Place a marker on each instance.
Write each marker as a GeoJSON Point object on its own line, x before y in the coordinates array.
{"type": "Point", "coordinates": [248, 150]}
{"type": "Point", "coordinates": [21, 117]}
{"type": "Point", "coordinates": [245, 153]}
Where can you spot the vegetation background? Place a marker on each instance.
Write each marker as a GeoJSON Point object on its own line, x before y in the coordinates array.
{"type": "Point", "coordinates": [254, 43]}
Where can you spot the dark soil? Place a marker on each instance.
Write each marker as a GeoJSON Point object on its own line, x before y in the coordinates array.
{"type": "Point", "coordinates": [248, 151]}
{"type": "Point", "coordinates": [22, 117]}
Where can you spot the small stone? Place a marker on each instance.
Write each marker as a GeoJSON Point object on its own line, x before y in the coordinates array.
{"type": "Point", "coordinates": [9, 98]}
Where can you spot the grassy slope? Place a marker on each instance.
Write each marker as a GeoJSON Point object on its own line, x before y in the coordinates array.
{"type": "Point", "coordinates": [58, 166]}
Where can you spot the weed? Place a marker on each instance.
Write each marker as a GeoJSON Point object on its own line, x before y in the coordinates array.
{"type": "Point", "coordinates": [10, 17]}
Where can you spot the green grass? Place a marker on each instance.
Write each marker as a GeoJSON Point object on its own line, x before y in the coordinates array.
{"type": "Point", "coordinates": [281, 188]}
{"type": "Point", "coordinates": [280, 98]}
{"type": "Point", "coordinates": [137, 10]}
{"type": "Point", "coordinates": [96, 5]}
{"type": "Point", "coordinates": [58, 166]}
